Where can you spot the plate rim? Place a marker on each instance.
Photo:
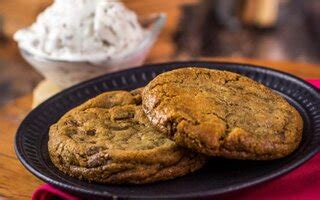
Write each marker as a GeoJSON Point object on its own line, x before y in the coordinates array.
{"type": "Point", "coordinates": [255, 181]}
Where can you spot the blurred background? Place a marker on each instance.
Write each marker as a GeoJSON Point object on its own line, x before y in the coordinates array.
{"type": "Point", "coordinates": [286, 30]}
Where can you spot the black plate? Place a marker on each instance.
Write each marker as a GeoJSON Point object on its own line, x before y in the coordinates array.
{"type": "Point", "coordinates": [217, 177]}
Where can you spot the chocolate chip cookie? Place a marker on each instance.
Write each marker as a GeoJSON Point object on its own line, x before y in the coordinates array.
{"type": "Point", "coordinates": [108, 139]}
{"type": "Point", "coordinates": [220, 113]}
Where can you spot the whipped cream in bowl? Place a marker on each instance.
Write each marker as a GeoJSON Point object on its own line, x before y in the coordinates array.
{"type": "Point", "coordinates": [75, 40]}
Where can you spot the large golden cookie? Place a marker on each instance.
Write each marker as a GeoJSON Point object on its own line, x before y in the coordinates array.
{"type": "Point", "coordinates": [220, 113]}
{"type": "Point", "coordinates": [108, 139]}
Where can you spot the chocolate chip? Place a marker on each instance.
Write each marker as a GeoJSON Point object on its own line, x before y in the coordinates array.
{"type": "Point", "coordinates": [91, 132]}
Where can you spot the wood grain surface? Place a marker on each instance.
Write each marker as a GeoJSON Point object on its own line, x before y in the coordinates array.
{"type": "Point", "coordinates": [15, 181]}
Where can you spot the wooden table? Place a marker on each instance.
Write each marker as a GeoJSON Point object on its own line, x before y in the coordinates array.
{"type": "Point", "coordinates": [16, 182]}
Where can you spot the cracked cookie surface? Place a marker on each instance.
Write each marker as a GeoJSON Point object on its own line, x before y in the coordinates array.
{"type": "Point", "coordinates": [108, 139]}
{"type": "Point", "coordinates": [220, 113]}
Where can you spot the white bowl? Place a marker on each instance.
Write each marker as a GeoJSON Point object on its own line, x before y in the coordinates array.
{"type": "Point", "coordinates": [68, 73]}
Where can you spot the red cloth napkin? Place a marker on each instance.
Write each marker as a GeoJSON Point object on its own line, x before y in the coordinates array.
{"type": "Point", "coordinates": [48, 192]}
{"type": "Point", "coordinates": [302, 183]}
